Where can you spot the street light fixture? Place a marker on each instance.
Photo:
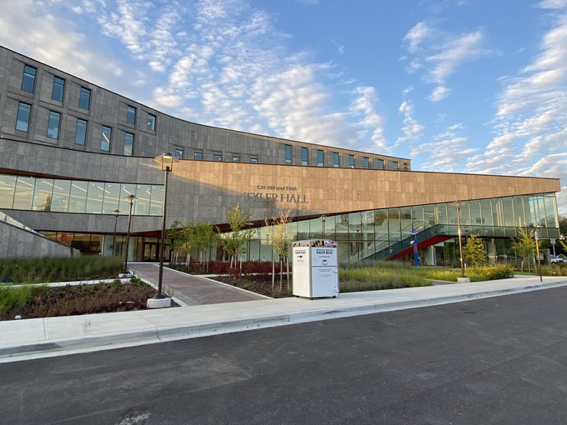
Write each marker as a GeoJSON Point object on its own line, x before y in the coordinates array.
{"type": "Point", "coordinates": [323, 219]}
{"type": "Point", "coordinates": [458, 205]}
{"type": "Point", "coordinates": [166, 160]}
{"type": "Point", "coordinates": [116, 214]}
{"type": "Point", "coordinates": [131, 198]}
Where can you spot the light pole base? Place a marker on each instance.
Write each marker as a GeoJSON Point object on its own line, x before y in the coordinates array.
{"type": "Point", "coordinates": [159, 302]}
{"type": "Point", "coordinates": [463, 280]}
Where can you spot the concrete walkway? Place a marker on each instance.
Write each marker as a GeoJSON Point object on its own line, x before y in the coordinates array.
{"type": "Point", "coordinates": [33, 338]}
{"type": "Point", "coordinates": [192, 290]}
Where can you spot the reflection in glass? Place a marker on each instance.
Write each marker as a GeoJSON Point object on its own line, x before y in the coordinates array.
{"type": "Point", "coordinates": [128, 144]}
{"type": "Point", "coordinates": [151, 122]}
{"type": "Point", "coordinates": [156, 202]}
{"type": "Point", "coordinates": [81, 132]}
{"type": "Point", "coordinates": [78, 198]}
{"type": "Point", "coordinates": [105, 139]}
{"type": "Point", "coordinates": [61, 190]}
{"type": "Point", "coordinates": [58, 89]}
{"type": "Point", "coordinates": [551, 210]}
{"type": "Point", "coordinates": [85, 98]}
{"type": "Point", "coordinates": [125, 191]}
{"type": "Point", "coordinates": [42, 196]}
{"type": "Point", "coordinates": [28, 80]}
{"type": "Point", "coordinates": [131, 115]}
{"type": "Point", "coordinates": [95, 198]}
{"type": "Point", "coordinates": [142, 205]}
{"type": "Point", "coordinates": [111, 197]}
{"type": "Point", "coordinates": [53, 125]}
{"type": "Point", "coordinates": [24, 193]}
{"type": "Point", "coordinates": [7, 187]}
{"type": "Point", "coordinates": [23, 118]}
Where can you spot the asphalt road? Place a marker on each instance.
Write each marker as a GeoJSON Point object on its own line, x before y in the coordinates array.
{"type": "Point", "coordinates": [495, 361]}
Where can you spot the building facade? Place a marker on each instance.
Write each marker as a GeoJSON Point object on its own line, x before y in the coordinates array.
{"type": "Point", "coordinates": [70, 152]}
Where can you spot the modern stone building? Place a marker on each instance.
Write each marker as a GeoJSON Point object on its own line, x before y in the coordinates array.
{"type": "Point", "coordinates": [70, 152]}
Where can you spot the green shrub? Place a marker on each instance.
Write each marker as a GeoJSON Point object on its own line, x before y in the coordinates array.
{"type": "Point", "coordinates": [375, 278]}
{"type": "Point", "coordinates": [11, 297]}
{"type": "Point", "coordinates": [554, 270]}
{"type": "Point", "coordinates": [448, 275]}
{"type": "Point", "coordinates": [53, 269]}
{"type": "Point", "coordinates": [490, 272]}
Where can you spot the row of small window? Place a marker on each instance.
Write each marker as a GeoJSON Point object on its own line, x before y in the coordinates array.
{"type": "Point", "coordinates": [216, 156]}
{"type": "Point", "coordinates": [75, 196]}
{"type": "Point", "coordinates": [58, 91]}
{"type": "Point", "coordinates": [336, 159]}
{"type": "Point", "coordinates": [53, 124]}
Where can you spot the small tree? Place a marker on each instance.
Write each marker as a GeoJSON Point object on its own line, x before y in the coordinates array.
{"type": "Point", "coordinates": [203, 238]}
{"type": "Point", "coordinates": [174, 238]}
{"type": "Point", "coordinates": [474, 252]}
{"type": "Point", "coordinates": [279, 243]}
{"type": "Point", "coordinates": [525, 247]}
{"type": "Point", "coordinates": [236, 242]}
{"type": "Point", "coordinates": [187, 244]}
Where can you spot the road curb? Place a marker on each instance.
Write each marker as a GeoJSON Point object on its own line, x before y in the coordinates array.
{"type": "Point", "coordinates": [156, 335]}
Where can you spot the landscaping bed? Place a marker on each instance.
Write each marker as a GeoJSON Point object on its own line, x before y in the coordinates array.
{"type": "Point", "coordinates": [50, 269]}
{"type": "Point", "coordinates": [35, 301]}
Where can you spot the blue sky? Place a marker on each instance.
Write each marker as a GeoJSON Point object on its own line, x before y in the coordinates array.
{"type": "Point", "coordinates": [475, 86]}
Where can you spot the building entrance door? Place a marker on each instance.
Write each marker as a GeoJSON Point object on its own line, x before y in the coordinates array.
{"type": "Point", "coordinates": [151, 251]}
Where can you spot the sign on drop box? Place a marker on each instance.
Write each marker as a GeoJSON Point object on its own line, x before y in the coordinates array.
{"type": "Point", "coordinates": [315, 269]}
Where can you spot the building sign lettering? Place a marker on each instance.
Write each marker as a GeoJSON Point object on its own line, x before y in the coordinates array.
{"type": "Point", "coordinates": [272, 193]}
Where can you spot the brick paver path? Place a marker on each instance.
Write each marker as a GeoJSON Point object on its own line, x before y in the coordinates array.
{"type": "Point", "coordinates": [192, 290]}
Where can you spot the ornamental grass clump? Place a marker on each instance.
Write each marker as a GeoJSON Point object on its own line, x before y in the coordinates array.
{"type": "Point", "coordinates": [374, 278]}
{"type": "Point", "coordinates": [490, 272]}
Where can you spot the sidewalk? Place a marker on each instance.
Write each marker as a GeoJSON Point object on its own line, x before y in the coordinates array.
{"type": "Point", "coordinates": [33, 338]}
{"type": "Point", "coordinates": [192, 290]}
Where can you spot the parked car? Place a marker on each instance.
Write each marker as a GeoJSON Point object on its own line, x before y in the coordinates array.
{"type": "Point", "coordinates": [558, 259]}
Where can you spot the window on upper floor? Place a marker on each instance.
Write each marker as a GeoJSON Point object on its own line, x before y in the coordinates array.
{"type": "Point", "coordinates": [85, 98]}
{"type": "Point", "coordinates": [53, 124]}
{"type": "Point", "coordinates": [131, 115]}
{"type": "Point", "coordinates": [105, 138]}
{"type": "Point", "coordinates": [178, 153]}
{"type": "Point", "coordinates": [336, 160]}
{"type": "Point", "coordinates": [217, 157]}
{"type": "Point", "coordinates": [81, 132]}
{"type": "Point", "coordinates": [365, 162]}
{"type": "Point", "coordinates": [351, 161]}
{"type": "Point", "coordinates": [235, 158]}
{"type": "Point", "coordinates": [23, 118]}
{"type": "Point", "coordinates": [395, 165]}
{"type": "Point", "coordinates": [198, 156]}
{"type": "Point", "coordinates": [288, 154]}
{"type": "Point", "coordinates": [151, 122]}
{"type": "Point", "coordinates": [304, 156]}
{"type": "Point", "coordinates": [28, 79]}
{"type": "Point", "coordinates": [253, 160]}
{"type": "Point", "coordinates": [58, 89]}
{"type": "Point", "coordinates": [380, 164]}
{"type": "Point", "coordinates": [128, 144]}
{"type": "Point", "coordinates": [320, 158]}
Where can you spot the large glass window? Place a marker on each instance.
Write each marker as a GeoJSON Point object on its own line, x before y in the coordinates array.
{"type": "Point", "coordinates": [23, 118]}
{"type": "Point", "coordinates": [406, 222]}
{"type": "Point", "coordinates": [288, 154]}
{"type": "Point", "coordinates": [111, 197]}
{"type": "Point", "coordinates": [351, 161]}
{"type": "Point", "coordinates": [42, 196]}
{"type": "Point", "coordinates": [395, 166]}
{"type": "Point", "coordinates": [105, 138]}
{"type": "Point", "coordinates": [60, 200]}
{"type": "Point", "coordinates": [320, 158]}
{"type": "Point", "coordinates": [508, 212]}
{"type": "Point", "coordinates": [78, 198]}
{"type": "Point", "coordinates": [7, 187]}
{"type": "Point", "coordinates": [58, 89]}
{"type": "Point", "coordinates": [304, 156]}
{"type": "Point", "coordinates": [128, 144]}
{"type": "Point", "coordinates": [142, 205]}
{"type": "Point", "coordinates": [28, 80]}
{"type": "Point", "coordinates": [81, 132]}
{"type": "Point", "coordinates": [24, 193]}
{"type": "Point", "coordinates": [417, 214]}
{"type": "Point", "coordinates": [394, 224]}
{"type": "Point", "coordinates": [367, 219]}
{"type": "Point", "coordinates": [380, 164]}
{"type": "Point", "coordinates": [156, 202]}
{"type": "Point", "coordinates": [336, 160]}
{"type": "Point", "coordinates": [551, 211]}
{"type": "Point", "coordinates": [365, 162]}
{"type": "Point", "coordinates": [131, 115]}
{"type": "Point", "coordinates": [95, 198]}
{"type": "Point", "coordinates": [151, 122]}
{"type": "Point", "coordinates": [217, 157]}
{"type": "Point", "coordinates": [85, 98]}
{"type": "Point", "coordinates": [486, 211]}
{"type": "Point", "coordinates": [519, 218]}
{"type": "Point", "coordinates": [235, 158]}
{"type": "Point", "coordinates": [476, 218]}
{"type": "Point", "coordinates": [53, 125]}
{"type": "Point", "coordinates": [198, 156]}
{"type": "Point", "coordinates": [125, 191]}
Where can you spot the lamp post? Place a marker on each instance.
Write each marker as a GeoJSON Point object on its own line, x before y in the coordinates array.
{"type": "Point", "coordinates": [323, 219]}
{"type": "Point", "coordinates": [415, 255]}
{"type": "Point", "coordinates": [537, 253]}
{"type": "Point", "coordinates": [116, 214]}
{"type": "Point", "coordinates": [131, 198]}
{"type": "Point", "coordinates": [458, 205]}
{"type": "Point", "coordinates": [166, 160]}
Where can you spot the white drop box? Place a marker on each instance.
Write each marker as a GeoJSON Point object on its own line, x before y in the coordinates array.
{"type": "Point", "coordinates": [315, 269]}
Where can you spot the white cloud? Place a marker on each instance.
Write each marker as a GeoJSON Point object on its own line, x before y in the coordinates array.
{"type": "Point", "coordinates": [411, 129]}
{"type": "Point", "coordinates": [416, 35]}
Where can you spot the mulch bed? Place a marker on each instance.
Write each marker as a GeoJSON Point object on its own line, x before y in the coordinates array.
{"type": "Point", "coordinates": [83, 299]}
{"type": "Point", "coordinates": [259, 283]}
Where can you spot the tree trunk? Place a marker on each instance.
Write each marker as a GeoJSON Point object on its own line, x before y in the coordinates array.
{"type": "Point", "coordinates": [273, 275]}
{"type": "Point", "coordinates": [287, 274]}
{"type": "Point", "coordinates": [281, 276]}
